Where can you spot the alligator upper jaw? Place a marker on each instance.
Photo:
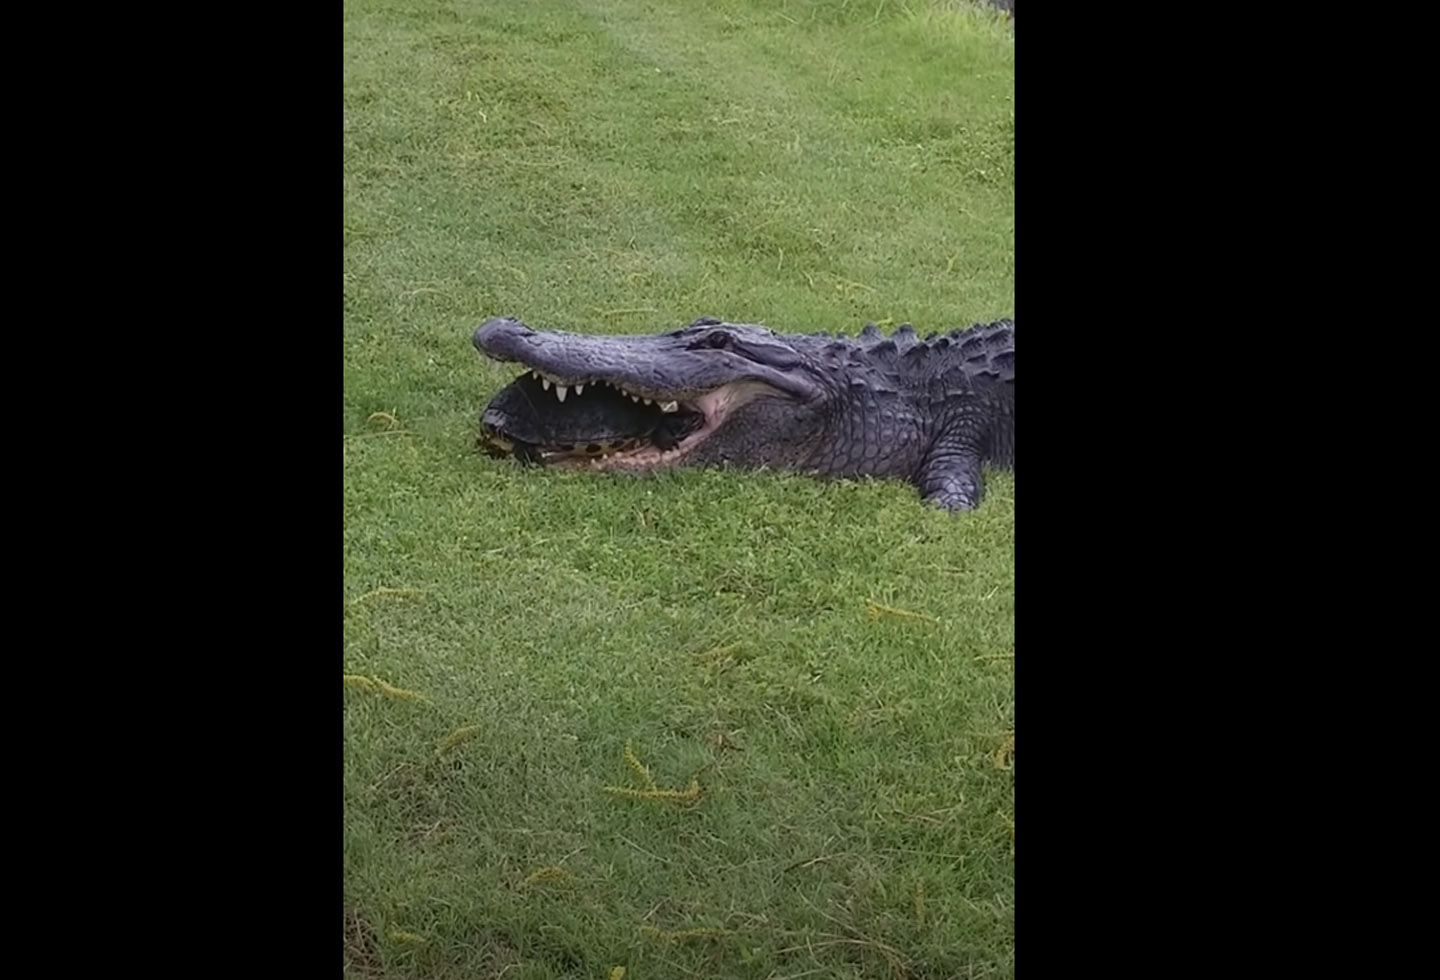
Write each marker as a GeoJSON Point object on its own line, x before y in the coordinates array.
{"type": "Point", "coordinates": [660, 368]}
{"type": "Point", "coordinates": [564, 389]}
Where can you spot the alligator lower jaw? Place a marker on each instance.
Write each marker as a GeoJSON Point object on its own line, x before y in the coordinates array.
{"type": "Point", "coordinates": [714, 405]}
{"type": "Point", "coordinates": [499, 444]}
{"type": "Point", "coordinates": [651, 457]}
{"type": "Point", "coordinates": [631, 454]}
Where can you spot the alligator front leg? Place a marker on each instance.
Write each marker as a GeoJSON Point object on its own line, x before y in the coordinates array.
{"type": "Point", "coordinates": [950, 478]}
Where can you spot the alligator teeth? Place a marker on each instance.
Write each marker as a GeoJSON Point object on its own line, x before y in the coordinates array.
{"type": "Point", "coordinates": [545, 382]}
{"type": "Point", "coordinates": [560, 391]}
{"type": "Point", "coordinates": [579, 389]}
{"type": "Point", "coordinates": [634, 398]}
{"type": "Point", "coordinates": [669, 407]}
{"type": "Point", "coordinates": [649, 401]}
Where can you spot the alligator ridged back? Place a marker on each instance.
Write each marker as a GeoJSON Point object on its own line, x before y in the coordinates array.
{"type": "Point", "coordinates": [985, 350]}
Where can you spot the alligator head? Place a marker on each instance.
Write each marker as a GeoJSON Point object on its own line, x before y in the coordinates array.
{"type": "Point", "coordinates": [697, 394]}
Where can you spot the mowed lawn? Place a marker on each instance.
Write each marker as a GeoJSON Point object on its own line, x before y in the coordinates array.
{"type": "Point", "coordinates": [701, 724]}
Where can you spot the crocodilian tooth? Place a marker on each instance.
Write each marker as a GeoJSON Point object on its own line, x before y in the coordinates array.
{"type": "Point", "coordinates": [669, 407]}
{"type": "Point", "coordinates": [545, 383]}
{"type": "Point", "coordinates": [579, 389]}
{"type": "Point", "coordinates": [649, 401]}
{"type": "Point", "coordinates": [634, 398]}
{"type": "Point", "coordinates": [560, 391]}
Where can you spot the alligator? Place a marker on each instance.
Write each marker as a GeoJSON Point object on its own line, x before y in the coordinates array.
{"type": "Point", "coordinates": [930, 411]}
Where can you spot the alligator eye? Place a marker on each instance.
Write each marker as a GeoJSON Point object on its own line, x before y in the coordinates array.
{"type": "Point", "coordinates": [716, 339]}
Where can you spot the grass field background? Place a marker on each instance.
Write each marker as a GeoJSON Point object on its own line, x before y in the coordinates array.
{"type": "Point", "coordinates": [816, 678]}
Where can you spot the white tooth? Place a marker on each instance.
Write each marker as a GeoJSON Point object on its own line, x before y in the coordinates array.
{"type": "Point", "coordinates": [546, 383]}
{"type": "Point", "coordinates": [634, 398]}
{"type": "Point", "coordinates": [579, 389]}
{"type": "Point", "coordinates": [560, 392]}
{"type": "Point", "coordinates": [535, 375]}
{"type": "Point", "coordinates": [649, 401]}
{"type": "Point", "coordinates": [669, 407]}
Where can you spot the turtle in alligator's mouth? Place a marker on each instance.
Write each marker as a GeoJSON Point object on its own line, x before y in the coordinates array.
{"type": "Point", "coordinates": [535, 419]}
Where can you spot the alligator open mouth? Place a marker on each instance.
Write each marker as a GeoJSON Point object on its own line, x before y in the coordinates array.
{"type": "Point", "coordinates": [541, 418]}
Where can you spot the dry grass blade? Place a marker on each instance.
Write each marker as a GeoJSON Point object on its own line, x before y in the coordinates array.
{"type": "Point", "coordinates": [361, 956]}
{"type": "Point", "coordinates": [685, 797]}
{"type": "Point", "coordinates": [548, 875]}
{"type": "Point", "coordinates": [459, 735]}
{"type": "Point", "coordinates": [1004, 756]}
{"type": "Point", "coordinates": [638, 766]}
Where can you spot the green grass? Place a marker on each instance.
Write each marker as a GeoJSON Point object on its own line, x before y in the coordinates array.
{"type": "Point", "coordinates": [628, 166]}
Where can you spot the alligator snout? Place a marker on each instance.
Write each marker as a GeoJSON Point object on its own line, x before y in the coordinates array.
{"type": "Point", "coordinates": [488, 332]}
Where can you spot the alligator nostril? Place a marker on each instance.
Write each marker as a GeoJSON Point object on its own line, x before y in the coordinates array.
{"type": "Point", "coordinates": [498, 325]}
